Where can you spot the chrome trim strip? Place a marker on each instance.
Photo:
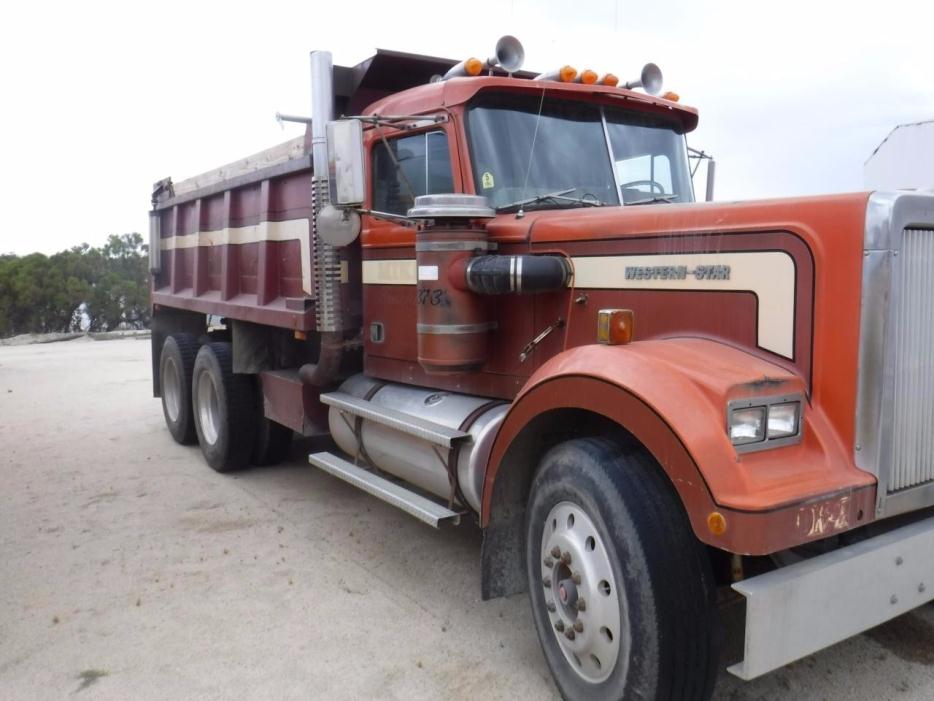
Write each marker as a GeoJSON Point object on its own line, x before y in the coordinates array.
{"type": "Point", "coordinates": [454, 329]}
{"type": "Point", "coordinates": [454, 246]}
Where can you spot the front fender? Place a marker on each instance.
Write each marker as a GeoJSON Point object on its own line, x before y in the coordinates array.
{"type": "Point", "coordinates": [671, 395]}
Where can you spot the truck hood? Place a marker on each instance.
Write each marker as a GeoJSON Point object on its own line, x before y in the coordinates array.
{"type": "Point", "coordinates": [595, 223]}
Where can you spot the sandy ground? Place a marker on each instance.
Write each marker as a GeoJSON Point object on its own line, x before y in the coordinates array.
{"type": "Point", "coordinates": [129, 570]}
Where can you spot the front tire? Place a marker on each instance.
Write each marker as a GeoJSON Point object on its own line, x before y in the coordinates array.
{"type": "Point", "coordinates": [225, 415]}
{"type": "Point", "coordinates": [621, 591]}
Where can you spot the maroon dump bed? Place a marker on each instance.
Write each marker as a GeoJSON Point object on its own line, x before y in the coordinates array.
{"type": "Point", "coordinates": [236, 242]}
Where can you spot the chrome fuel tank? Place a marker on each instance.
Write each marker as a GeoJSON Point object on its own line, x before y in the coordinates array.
{"type": "Point", "coordinates": [410, 458]}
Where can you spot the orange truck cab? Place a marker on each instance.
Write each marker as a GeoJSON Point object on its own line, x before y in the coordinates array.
{"type": "Point", "coordinates": [495, 291]}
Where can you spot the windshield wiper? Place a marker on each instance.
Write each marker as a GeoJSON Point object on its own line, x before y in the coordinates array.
{"type": "Point", "coordinates": [559, 195]}
{"type": "Point", "coordinates": [653, 199]}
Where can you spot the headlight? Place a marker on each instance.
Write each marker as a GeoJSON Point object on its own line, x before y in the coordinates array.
{"type": "Point", "coordinates": [783, 419]}
{"type": "Point", "coordinates": [747, 425]}
{"type": "Point", "coordinates": [767, 422]}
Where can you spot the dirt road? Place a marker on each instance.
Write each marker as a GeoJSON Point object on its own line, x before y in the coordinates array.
{"type": "Point", "coordinates": [129, 570]}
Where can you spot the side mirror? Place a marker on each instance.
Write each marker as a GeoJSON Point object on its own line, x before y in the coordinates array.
{"type": "Point", "coordinates": [155, 241]}
{"type": "Point", "coordinates": [346, 162]}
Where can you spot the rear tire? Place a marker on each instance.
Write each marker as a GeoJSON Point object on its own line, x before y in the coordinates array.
{"type": "Point", "coordinates": [273, 440]}
{"type": "Point", "coordinates": [176, 366]}
{"type": "Point", "coordinates": [649, 628]}
{"type": "Point", "coordinates": [224, 411]}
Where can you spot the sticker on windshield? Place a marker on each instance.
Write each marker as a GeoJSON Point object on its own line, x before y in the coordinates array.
{"type": "Point", "coordinates": [486, 180]}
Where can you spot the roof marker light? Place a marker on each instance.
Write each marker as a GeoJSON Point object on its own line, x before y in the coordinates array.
{"type": "Point", "coordinates": [473, 66]}
{"type": "Point", "coordinates": [671, 96]}
{"type": "Point", "coordinates": [565, 74]}
{"type": "Point", "coordinates": [587, 76]}
{"type": "Point", "coordinates": [609, 79]}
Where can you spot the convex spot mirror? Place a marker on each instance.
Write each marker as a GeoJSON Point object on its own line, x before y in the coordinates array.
{"type": "Point", "coordinates": [338, 226]}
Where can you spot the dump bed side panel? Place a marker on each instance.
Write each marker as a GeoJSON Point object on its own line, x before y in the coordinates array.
{"type": "Point", "coordinates": [240, 247]}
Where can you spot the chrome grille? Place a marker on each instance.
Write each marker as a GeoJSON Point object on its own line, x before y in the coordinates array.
{"type": "Point", "coordinates": [913, 410]}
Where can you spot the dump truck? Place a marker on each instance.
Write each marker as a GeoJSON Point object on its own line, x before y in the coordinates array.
{"type": "Point", "coordinates": [493, 292]}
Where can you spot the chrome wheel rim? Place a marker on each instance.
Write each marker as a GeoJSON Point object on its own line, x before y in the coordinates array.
{"type": "Point", "coordinates": [208, 408]}
{"type": "Point", "coordinates": [172, 388]}
{"type": "Point", "coordinates": [580, 593]}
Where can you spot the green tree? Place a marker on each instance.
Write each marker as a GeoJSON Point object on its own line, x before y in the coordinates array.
{"type": "Point", "coordinates": [41, 294]}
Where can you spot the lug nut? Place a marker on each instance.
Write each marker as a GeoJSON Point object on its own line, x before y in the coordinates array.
{"type": "Point", "coordinates": [581, 604]}
{"type": "Point", "coordinates": [579, 626]}
{"type": "Point", "coordinates": [550, 606]}
{"type": "Point", "coordinates": [546, 582]}
{"type": "Point", "coordinates": [576, 578]}
{"type": "Point", "coordinates": [559, 626]}
{"type": "Point", "coordinates": [549, 562]}
{"type": "Point", "coordinates": [556, 551]}
{"type": "Point", "coordinates": [569, 634]}
{"type": "Point", "coordinates": [566, 559]}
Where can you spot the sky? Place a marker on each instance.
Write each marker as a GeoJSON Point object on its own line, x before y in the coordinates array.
{"type": "Point", "coordinates": [101, 99]}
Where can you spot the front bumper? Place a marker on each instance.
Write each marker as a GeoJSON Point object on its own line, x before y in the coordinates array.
{"type": "Point", "coordinates": [805, 607]}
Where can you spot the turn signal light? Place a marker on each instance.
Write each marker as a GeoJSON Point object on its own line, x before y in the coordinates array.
{"type": "Point", "coordinates": [716, 523]}
{"type": "Point", "coordinates": [609, 79]}
{"type": "Point", "coordinates": [671, 96]}
{"type": "Point", "coordinates": [588, 77]}
{"type": "Point", "coordinates": [615, 326]}
{"type": "Point", "coordinates": [473, 66]}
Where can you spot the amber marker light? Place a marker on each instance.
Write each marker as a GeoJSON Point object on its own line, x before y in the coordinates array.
{"type": "Point", "coordinates": [567, 73]}
{"type": "Point", "coordinates": [609, 79]}
{"type": "Point", "coordinates": [716, 523]}
{"type": "Point", "coordinates": [588, 77]}
{"type": "Point", "coordinates": [473, 66]}
{"type": "Point", "coordinates": [614, 326]}
{"type": "Point", "coordinates": [671, 96]}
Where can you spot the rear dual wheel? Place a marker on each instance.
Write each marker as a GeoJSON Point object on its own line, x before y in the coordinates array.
{"type": "Point", "coordinates": [224, 409]}
{"type": "Point", "coordinates": [176, 365]}
{"type": "Point", "coordinates": [232, 428]}
{"type": "Point", "coordinates": [621, 591]}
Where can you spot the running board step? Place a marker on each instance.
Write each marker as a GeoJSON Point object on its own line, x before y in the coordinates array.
{"type": "Point", "coordinates": [416, 505]}
{"type": "Point", "coordinates": [438, 434]}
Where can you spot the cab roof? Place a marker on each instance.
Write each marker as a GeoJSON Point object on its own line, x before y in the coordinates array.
{"type": "Point", "coordinates": [393, 82]}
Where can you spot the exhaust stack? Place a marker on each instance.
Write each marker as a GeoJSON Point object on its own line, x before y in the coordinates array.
{"type": "Point", "coordinates": [327, 277]}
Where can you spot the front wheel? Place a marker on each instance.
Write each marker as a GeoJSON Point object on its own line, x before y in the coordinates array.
{"type": "Point", "coordinates": [621, 592]}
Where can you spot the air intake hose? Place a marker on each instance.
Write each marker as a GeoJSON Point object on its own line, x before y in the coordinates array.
{"type": "Point", "coordinates": [498, 275]}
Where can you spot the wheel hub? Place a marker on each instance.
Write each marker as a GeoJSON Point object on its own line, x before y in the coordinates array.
{"type": "Point", "coordinates": [208, 408]}
{"type": "Point", "coordinates": [567, 592]}
{"type": "Point", "coordinates": [172, 388]}
{"type": "Point", "coordinates": [580, 593]}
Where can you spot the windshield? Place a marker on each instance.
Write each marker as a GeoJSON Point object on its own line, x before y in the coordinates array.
{"type": "Point", "coordinates": [526, 149]}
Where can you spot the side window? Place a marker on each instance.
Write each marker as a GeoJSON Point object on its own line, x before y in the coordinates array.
{"type": "Point", "coordinates": [648, 174]}
{"type": "Point", "coordinates": [424, 168]}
